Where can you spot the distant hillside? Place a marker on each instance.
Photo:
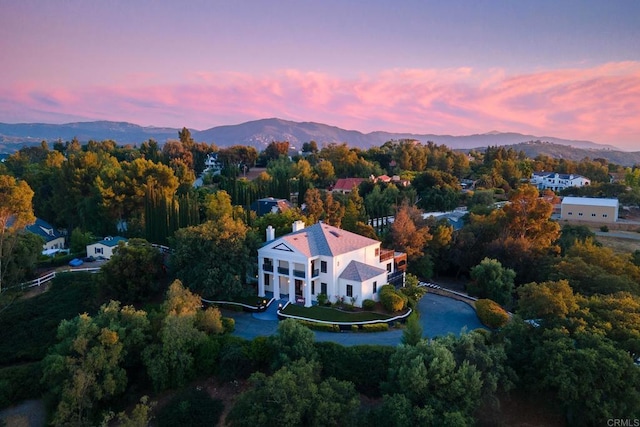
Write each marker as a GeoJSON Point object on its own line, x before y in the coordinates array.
{"type": "Point", "coordinates": [257, 133]}
{"type": "Point", "coordinates": [557, 151]}
{"type": "Point", "coordinates": [121, 132]}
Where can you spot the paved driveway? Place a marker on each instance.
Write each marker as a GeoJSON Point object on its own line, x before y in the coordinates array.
{"type": "Point", "coordinates": [439, 316]}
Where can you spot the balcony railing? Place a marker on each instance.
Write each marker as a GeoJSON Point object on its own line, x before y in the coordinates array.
{"type": "Point", "coordinates": [386, 254]}
{"type": "Point", "coordinates": [283, 270]}
{"type": "Point", "coordinates": [315, 273]}
{"type": "Point", "coordinates": [299, 273]}
{"type": "Point", "coordinates": [267, 267]}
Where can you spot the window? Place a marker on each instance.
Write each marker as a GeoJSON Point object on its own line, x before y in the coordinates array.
{"type": "Point", "coordinates": [569, 213]}
{"type": "Point", "coordinates": [323, 288]}
{"type": "Point", "coordinates": [389, 268]}
{"type": "Point", "coordinates": [323, 266]}
{"type": "Point", "coordinates": [349, 290]}
{"type": "Point", "coordinates": [313, 287]}
{"type": "Point", "coordinates": [377, 251]}
{"type": "Point", "coordinates": [604, 215]}
{"type": "Point", "coordinates": [375, 287]}
{"type": "Point", "coordinates": [593, 214]}
{"type": "Point", "coordinates": [580, 214]}
{"type": "Point", "coordinates": [98, 250]}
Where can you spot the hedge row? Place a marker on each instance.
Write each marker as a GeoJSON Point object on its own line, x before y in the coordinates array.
{"type": "Point", "coordinates": [374, 327]}
{"type": "Point", "coordinates": [316, 326]}
{"type": "Point", "coordinates": [491, 314]}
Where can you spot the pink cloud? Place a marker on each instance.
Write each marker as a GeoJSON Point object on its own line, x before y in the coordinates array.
{"type": "Point", "coordinates": [600, 103]}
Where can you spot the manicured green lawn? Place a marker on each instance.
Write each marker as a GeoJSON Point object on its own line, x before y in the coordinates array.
{"type": "Point", "coordinates": [333, 315]}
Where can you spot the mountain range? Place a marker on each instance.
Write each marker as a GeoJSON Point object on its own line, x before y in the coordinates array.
{"type": "Point", "coordinates": [259, 133]}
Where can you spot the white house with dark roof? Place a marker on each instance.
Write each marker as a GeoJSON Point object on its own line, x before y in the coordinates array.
{"type": "Point", "coordinates": [53, 239]}
{"type": "Point", "coordinates": [557, 181]}
{"type": "Point", "coordinates": [323, 259]}
{"type": "Point", "coordinates": [104, 248]}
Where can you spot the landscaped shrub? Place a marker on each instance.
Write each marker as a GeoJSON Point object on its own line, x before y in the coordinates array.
{"type": "Point", "coordinates": [229, 324]}
{"type": "Point", "coordinates": [368, 304]}
{"type": "Point", "coordinates": [604, 229]}
{"type": "Point", "coordinates": [354, 328]}
{"type": "Point", "coordinates": [393, 301]}
{"type": "Point", "coordinates": [191, 407]}
{"type": "Point", "coordinates": [317, 326]}
{"type": "Point", "coordinates": [491, 314]}
{"type": "Point", "coordinates": [374, 327]}
{"type": "Point", "coordinates": [322, 299]}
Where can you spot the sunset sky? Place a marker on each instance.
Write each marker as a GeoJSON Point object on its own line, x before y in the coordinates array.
{"type": "Point", "coordinates": [561, 68]}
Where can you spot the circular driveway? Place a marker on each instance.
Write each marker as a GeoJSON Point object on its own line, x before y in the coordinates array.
{"type": "Point", "coordinates": [438, 315]}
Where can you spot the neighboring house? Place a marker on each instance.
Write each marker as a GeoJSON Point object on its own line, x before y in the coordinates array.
{"type": "Point", "coordinates": [345, 185]}
{"type": "Point", "coordinates": [212, 165]}
{"type": "Point", "coordinates": [53, 239]}
{"type": "Point", "coordinates": [589, 209]}
{"type": "Point", "coordinates": [328, 260]}
{"type": "Point", "coordinates": [270, 205]}
{"type": "Point", "coordinates": [557, 181]}
{"type": "Point", "coordinates": [104, 248]}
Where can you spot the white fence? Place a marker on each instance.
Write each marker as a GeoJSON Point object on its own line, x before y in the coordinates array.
{"type": "Point", "coordinates": [49, 277]}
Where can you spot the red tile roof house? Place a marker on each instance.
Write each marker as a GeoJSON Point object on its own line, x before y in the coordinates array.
{"type": "Point", "coordinates": [345, 185]}
{"type": "Point", "coordinates": [323, 259]}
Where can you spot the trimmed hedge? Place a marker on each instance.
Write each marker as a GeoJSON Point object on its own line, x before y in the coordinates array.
{"type": "Point", "coordinates": [316, 326]}
{"type": "Point", "coordinates": [491, 314]}
{"type": "Point", "coordinates": [392, 300]}
{"type": "Point", "coordinates": [368, 304]}
{"type": "Point", "coordinates": [374, 327]}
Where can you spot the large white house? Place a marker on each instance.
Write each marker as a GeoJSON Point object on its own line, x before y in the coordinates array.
{"type": "Point", "coordinates": [557, 181]}
{"type": "Point", "coordinates": [323, 259]}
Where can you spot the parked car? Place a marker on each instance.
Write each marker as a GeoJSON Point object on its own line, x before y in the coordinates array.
{"type": "Point", "coordinates": [88, 259]}
{"type": "Point", "coordinates": [76, 262]}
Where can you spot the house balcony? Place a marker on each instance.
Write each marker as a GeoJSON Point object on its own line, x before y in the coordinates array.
{"type": "Point", "coordinates": [386, 254]}
{"type": "Point", "coordinates": [283, 270]}
{"type": "Point", "coordinates": [299, 273]}
{"type": "Point", "coordinates": [267, 267]}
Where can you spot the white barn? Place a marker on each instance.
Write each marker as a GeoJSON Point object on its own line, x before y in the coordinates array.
{"type": "Point", "coordinates": [589, 209]}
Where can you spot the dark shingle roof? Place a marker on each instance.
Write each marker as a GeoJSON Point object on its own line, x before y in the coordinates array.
{"type": "Point", "coordinates": [359, 272]}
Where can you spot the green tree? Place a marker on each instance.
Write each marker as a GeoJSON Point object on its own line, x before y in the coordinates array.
{"type": "Point", "coordinates": [86, 367]}
{"type": "Point", "coordinates": [134, 271]}
{"type": "Point", "coordinates": [295, 396]}
{"type": "Point", "coordinates": [79, 240]}
{"type": "Point", "coordinates": [548, 300]}
{"type": "Point", "coordinates": [436, 386]}
{"type": "Point", "coordinates": [412, 333]}
{"type": "Point", "coordinates": [213, 258]}
{"type": "Point", "coordinates": [170, 361]}
{"type": "Point", "coordinates": [16, 212]}
{"type": "Point", "coordinates": [292, 342]}
{"type": "Point", "coordinates": [491, 280]}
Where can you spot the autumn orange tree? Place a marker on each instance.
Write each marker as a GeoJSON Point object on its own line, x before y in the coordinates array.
{"type": "Point", "coordinates": [16, 212]}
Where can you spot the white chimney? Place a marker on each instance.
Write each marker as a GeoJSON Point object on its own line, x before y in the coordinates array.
{"type": "Point", "coordinates": [298, 225]}
{"type": "Point", "coordinates": [271, 233]}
